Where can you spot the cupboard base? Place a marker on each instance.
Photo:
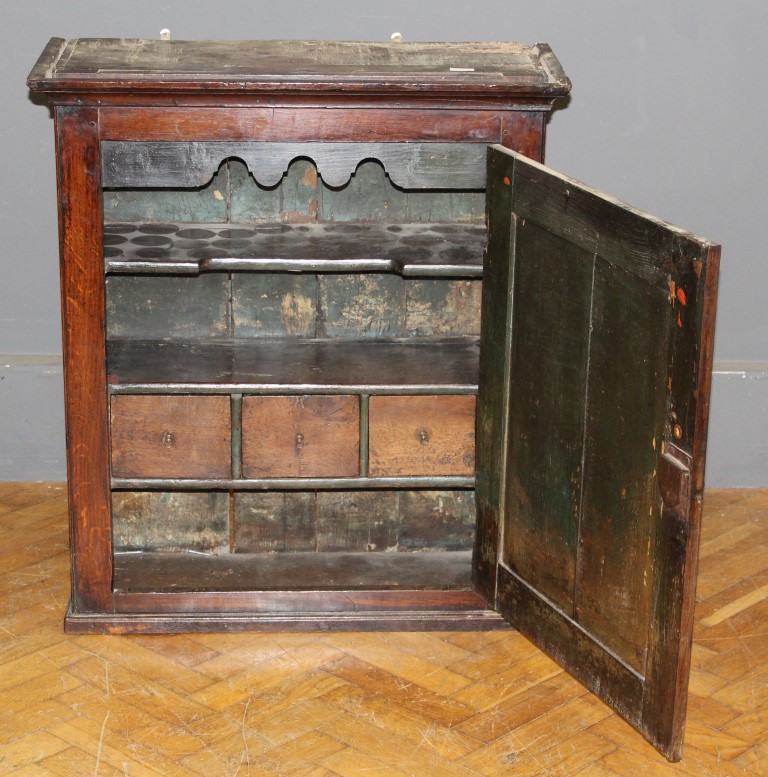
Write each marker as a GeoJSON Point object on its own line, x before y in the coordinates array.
{"type": "Point", "coordinates": [165, 623]}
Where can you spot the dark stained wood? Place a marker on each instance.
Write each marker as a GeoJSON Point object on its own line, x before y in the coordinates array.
{"type": "Point", "coordinates": [626, 403]}
{"type": "Point", "coordinates": [166, 572]}
{"type": "Point", "coordinates": [523, 131]}
{"type": "Point", "coordinates": [170, 521]}
{"type": "Point", "coordinates": [170, 436]}
{"type": "Point", "coordinates": [551, 330]}
{"type": "Point", "coordinates": [368, 521]}
{"type": "Point", "coordinates": [286, 124]}
{"type": "Point", "coordinates": [119, 65]}
{"type": "Point", "coordinates": [168, 307]}
{"type": "Point", "coordinates": [274, 522]}
{"type": "Point", "coordinates": [421, 435]}
{"type": "Point", "coordinates": [677, 542]}
{"type": "Point", "coordinates": [296, 365]}
{"type": "Point", "coordinates": [436, 520]}
{"type": "Point", "coordinates": [365, 521]}
{"type": "Point", "coordinates": [301, 436]}
{"type": "Point", "coordinates": [184, 164]}
{"type": "Point", "coordinates": [82, 297]}
{"type": "Point", "coordinates": [492, 426]}
{"type": "Point", "coordinates": [646, 348]}
{"type": "Point", "coordinates": [571, 646]}
{"type": "Point", "coordinates": [441, 617]}
{"type": "Point", "coordinates": [437, 249]}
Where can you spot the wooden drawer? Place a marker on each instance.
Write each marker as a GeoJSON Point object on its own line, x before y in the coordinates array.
{"type": "Point", "coordinates": [421, 435]}
{"type": "Point", "coordinates": [170, 436]}
{"type": "Point", "coordinates": [301, 437]}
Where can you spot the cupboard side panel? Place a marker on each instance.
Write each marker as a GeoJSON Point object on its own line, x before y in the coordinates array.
{"type": "Point", "coordinates": [82, 296]}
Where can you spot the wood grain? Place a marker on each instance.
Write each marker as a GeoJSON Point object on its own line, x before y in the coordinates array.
{"type": "Point", "coordinates": [170, 436]}
{"type": "Point", "coordinates": [83, 316]}
{"type": "Point", "coordinates": [303, 436]}
{"type": "Point", "coordinates": [421, 435]}
{"type": "Point", "coordinates": [471, 703]}
{"type": "Point", "coordinates": [635, 393]}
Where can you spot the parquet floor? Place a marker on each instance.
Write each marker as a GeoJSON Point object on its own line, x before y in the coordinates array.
{"type": "Point", "coordinates": [357, 705]}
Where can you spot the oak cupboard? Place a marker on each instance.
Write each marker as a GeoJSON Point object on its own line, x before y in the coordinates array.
{"type": "Point", "coordinates": [341, 353]}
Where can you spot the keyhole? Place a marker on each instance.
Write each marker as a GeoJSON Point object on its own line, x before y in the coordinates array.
{"type": "Point", "coordinates": [299, 440]}
{"type": "Point", "coordinates": [423, 436]}
{"type": "Point", "coordinates": [168, 439]}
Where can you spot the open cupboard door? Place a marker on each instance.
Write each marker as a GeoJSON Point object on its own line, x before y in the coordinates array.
{"type": "Point", "coordinates": [596, 359]}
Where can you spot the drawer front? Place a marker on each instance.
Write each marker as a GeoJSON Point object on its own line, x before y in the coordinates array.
{"type": "Point", "coordinates": [421, 435]}
{"type": "Point", "coordinates": [301, 437]}
{"type": "Point", "coordinates": [170, 436]}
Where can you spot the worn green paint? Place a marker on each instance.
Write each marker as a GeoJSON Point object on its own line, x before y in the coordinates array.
{"type": "Point", "coordinates": [357, 520]}
{"type": "Point", "coordinates": [437, 520]}
{"type": "Point", "coordinates": [550, 329]}
{"type": "Point", "coordinates": [626, 407]}
{"type": "Point", "coordinates": [168, 306]}
{"type": "Point", "coordinates": [170, 521]}
{"type": "Point", "coordinates": [443, 307]}
{"type": "Point", "coordinates": [274, 305]}
{"type": "Point", "coordinates": [361, 306]}
{"type": "Point", "coordinates": [274, 522]}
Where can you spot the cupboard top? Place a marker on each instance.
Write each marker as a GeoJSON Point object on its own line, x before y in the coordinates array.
{"type": "Point", "coordinates": [331, 67]}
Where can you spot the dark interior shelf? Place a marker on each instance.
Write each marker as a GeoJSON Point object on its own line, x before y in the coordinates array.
{"type": "Point", "coordinates": [169, 572]}
{"type": "Point", "coordinates": [294, 366]}
{"type": "Point", "coordinates": [419, 250]}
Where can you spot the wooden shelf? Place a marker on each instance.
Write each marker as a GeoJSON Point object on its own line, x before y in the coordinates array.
{"type": "Point", "coordinates": [294, 366]}
{"type": "Point", "coordinates": [170, 572]}
{"type": "Point", "coordinates": [419, 250]}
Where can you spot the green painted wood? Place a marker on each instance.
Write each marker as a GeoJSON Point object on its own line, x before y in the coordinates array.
{"type": "Point", "coordinates": [437, 206]}
{"type": "Point", "coordinates": [626, 406]}
{"type": "Point", "coordinates": [170, 521]}
{"type": "Point", "coordinates": [168, 306]}
{"type": "Point", "coordinates": [127, 164]}
{"type": "Point", "coordinates": [641, 392]}
{"type": "Point", "coordinates": [300, 193]}
{"type": "Point", "coordinates": [274, 522]}
{"type": "Point", "coordinates": [551, 330]}
{"type": "Point", "coordinates": [361, 306]}
{"type": "Point", "coordinates": [369, 196]}
{"type": "Point", "coordinates": [249, 202]}
{"type": "Point", "coordinates": [208, 203]}
{"type": "Point", "coordinates": [436, 520]}
{"type": "Point", "coordinates": [493, 387]}
{"type": "Point", "coordinates": [274, 305]}
{"type": "Point", "coordinates": [443, 307]}
{"type": "Point", "coordinates": [357, 520]}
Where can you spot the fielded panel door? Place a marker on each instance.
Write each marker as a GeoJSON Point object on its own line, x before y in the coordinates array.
{"type": "Point", "coordinates": [595, 372]}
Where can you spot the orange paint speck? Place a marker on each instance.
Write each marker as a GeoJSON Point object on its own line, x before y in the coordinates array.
{"type": "Point", "coordinates": [681, 296]}
{"type": "Point", "coordinates": [506, 180]}
{"type": "Point", "coordinates": [679, 321]}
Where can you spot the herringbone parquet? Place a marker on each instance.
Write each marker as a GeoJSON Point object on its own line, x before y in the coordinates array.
{"type": "Point", "coordinates": [357, 705]}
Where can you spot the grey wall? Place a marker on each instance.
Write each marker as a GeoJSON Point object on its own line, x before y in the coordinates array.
{"type": "Point", "coordinates": [667, 112]}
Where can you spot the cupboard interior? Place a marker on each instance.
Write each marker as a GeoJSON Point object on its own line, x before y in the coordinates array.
{"type": "Point", "coordinates": [292, 378]}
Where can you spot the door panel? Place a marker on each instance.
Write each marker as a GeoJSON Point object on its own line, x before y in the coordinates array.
{"type": "Point", "coordinates": [546, 412]}
{"type": "Point", "coordinates": [593, 497]}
